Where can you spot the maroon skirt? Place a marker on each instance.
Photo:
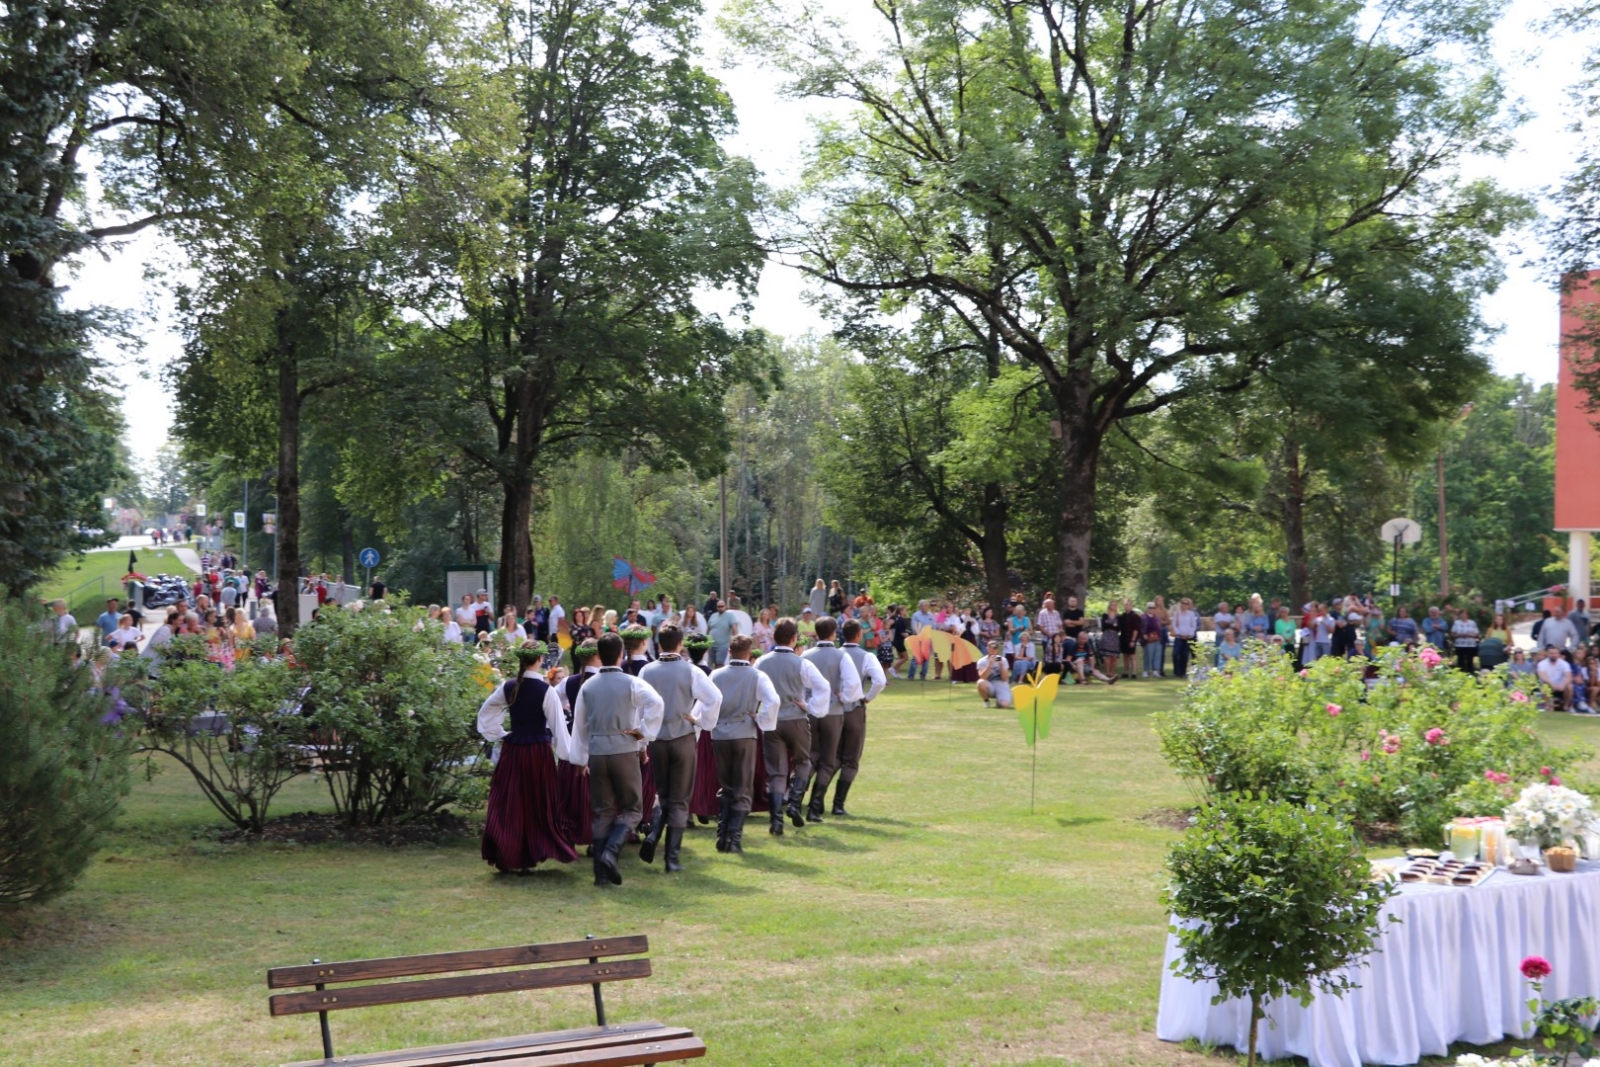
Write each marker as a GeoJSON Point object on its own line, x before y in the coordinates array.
{"type": "Point", "coordinates": [703, 801]}
{"type": "Point", "coordinates": [968, 674]}
{"type": "Point", "coordinates": [576, 818]}
{"type": "Point", "coordinates": [524, 824]}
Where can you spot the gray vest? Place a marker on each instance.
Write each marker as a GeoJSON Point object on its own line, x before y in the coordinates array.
{"type": "Point", "coordinates": [741, 699]}
{"type": "Point", "coordinates": [858, 660]}
{"type": "Point", "coordinates": [784, 670]}
{"type": "Point", "coordinates": [828, 660]}
{"type": "Point", "coordinates": [674, 680]}
{"type": "Point", "coordinates": [608, 709]}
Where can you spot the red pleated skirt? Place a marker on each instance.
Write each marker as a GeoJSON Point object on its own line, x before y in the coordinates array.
{"type": "Point", "coordinates": [524, 824]}
{"type": "Point", "coordinates": [576, 819]}
{"type": "Point", "coordinates": [703, 801]}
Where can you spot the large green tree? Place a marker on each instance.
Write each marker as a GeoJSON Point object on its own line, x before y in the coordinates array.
{"type": "Point", "coordinates": [1182, 192]}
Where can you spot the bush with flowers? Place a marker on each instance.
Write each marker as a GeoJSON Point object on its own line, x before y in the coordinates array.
{"type": "Point", "coordinates": [1550, 813]}
{"type": "Point", "coordinates": [1414, 748]}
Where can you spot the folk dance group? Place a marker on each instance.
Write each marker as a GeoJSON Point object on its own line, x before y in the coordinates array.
{"type": "Point", "coordinates": [629, 738]}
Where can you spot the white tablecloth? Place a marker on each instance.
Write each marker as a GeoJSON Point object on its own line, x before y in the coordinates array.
{"type": "Point", "coordinates": [1447, 972]}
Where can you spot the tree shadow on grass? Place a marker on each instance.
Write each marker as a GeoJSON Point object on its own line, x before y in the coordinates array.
{"type": "Point", "coordinates": [1081, 820]}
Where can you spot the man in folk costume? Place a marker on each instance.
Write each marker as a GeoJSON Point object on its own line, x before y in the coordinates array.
{"type": "Point", "coordinates": [636, 647]}
{"type": "Point", "coordinates": [803, 695]}
{"type": "Point", "coordinates": [749, 705]}
{"type": "Point", "coordinates": [853, 731]}
{"type": "Point", "coordinates": [691, 704]}
{"type": "Point", "coordinates": [525, 717]}
{"type": "Point", "coordinates": [616, 717]}
{"type": "Point", "coordinates": [844, 691]}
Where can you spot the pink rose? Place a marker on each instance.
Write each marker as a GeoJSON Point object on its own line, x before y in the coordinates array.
{"type": "Point", "coordinates": [1519, 696]}
{"type": "Point", "coordinates": [1305, 673]}
{"type": "Point", "coordinates": [1333, 710]}
{"type": "Point", "coordinates": [1435, 736]}
{"type": "Point", "coordinates": [1430, 657]}
{"type": "Point", "coordinates": [1545, 771]}
{"type": "Point", "coordinates": [1365, 755]}
{"type": "Point", "coordinates": [1535, 967]}
{"type": "Point", "coordinates": [1554, 780]}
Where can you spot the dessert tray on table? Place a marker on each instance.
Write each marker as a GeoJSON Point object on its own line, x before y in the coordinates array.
{"type": "Point", "coordinates": [1447, 872]}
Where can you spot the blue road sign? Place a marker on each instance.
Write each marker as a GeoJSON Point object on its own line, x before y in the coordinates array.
{"type": "Point", "coordinates": [368, 558]}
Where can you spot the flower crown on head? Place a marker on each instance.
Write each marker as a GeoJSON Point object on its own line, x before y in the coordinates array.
{"type": "Point", "coordinates": [697, 642]}
{"type": "Point", "coordinates": [585, 650]}
{"type": "Point", "coordinates": [635, 633]}
{"type": "Point", "coordinates": [530, 654]}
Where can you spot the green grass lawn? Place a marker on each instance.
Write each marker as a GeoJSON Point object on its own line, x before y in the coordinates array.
{"type": "Point", "coordinates": [80, 580]}
{"type": "Point", "coordinates": [944, 924]}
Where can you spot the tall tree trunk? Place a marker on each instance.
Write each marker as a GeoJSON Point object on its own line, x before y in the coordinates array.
{"type": "Point", "coordinates": [1080, 460]}
{"type": "Point", "coordinates": [516, 540]}
{"type": "Point", "coordinates": [289, 401]}
{"type": "Point", "coordinates": [347, 549]}
{"type": "Point", "coordinates": [996, 567]}
{"type": "Point", "coordinates": [1297, 560]}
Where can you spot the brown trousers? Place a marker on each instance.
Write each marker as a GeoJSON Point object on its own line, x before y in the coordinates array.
{"type": "Point", "coordinates": [673, 763]}
{"type": "Point", "coordinates": [852, 739]}
{"type": "Point", "coordinates": [825, 750]}
{"type": "Point", "coordinates": [615, 793]}
{"type": "Point", "coordinates": [736, 771]}
{"type": "Point", "coordinates": [787, 753]}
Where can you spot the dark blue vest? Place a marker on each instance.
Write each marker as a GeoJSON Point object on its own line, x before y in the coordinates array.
{"type": "Point", "coordinates": [528, 724]}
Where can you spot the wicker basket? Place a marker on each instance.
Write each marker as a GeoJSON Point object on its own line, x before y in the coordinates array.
{"type": "Point", "coordinates": [1561, 860]}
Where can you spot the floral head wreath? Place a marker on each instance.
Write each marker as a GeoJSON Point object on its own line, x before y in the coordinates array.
{"type": "Point", "coordinates": [635, 633]}
{"type": "Point", "coordinates": [530, 655]}
{"type": "Point", "coordinates": [698, 642]}
{"type": "Point", "coordinates": [587, 650]}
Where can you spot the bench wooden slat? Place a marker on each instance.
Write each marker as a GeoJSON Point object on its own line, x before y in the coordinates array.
{"type": "Point", "coordinates": [444, 962]}
{"type": "Point", "coordinates": [467, 985]}
{"type": "Point", "coordinates": [682, 1048]}
{"type": "Point", "coordinates": [465, 1053]}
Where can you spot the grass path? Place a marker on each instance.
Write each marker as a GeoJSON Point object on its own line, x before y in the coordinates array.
{"type": "Point", "coordinates": [942, 925]}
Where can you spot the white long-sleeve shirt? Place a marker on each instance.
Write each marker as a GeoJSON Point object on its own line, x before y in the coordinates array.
{"type": "Point", "coordinates": [493, 713]}
{"type": "Point", "coordinates": [647, 705]}
{"type": "Point", "coordinates": [766, 695]}
{"type": "Point", "coordinates": [707, 701]}
{"type": "Point", "coordinates": [849, 678]}
{"type": "Point", "coordinates": [817, 688]}
{"type": "Point", "coordinates": [875, 682]}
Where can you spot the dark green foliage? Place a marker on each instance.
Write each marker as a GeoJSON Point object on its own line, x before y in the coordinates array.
{"type": "Point", "coordinates": [1276, 900]}
{"type": "Point", "coordinates": [63, 770]}
{"type": "Point", "coordinates": [241, 767]}
{"type": "Point", "coordinates": [396, 710]}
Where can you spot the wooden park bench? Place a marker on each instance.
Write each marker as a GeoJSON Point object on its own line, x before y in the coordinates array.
{"type": "Point", "coordinates": [594, 1046]}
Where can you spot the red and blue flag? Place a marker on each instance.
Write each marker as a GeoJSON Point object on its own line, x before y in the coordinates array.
{"type": "Point", "coordinates": [624, 575]}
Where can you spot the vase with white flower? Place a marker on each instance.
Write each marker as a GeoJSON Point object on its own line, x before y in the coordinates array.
{"type": "Point", "coordinates": [1548, 814]}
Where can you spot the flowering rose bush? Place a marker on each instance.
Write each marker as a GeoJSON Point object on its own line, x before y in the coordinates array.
{"type": "Point", "coordinates": [1409, 751]}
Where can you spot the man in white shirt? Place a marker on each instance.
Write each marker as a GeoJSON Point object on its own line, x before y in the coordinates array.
{"type": "Point", "coordinates": [803, 695]}
{"type": "Point", "coordinates": [1185, 631]}
{"type": "Point", "coordinates": [690, 705]}
{"type": "Point", "coordinates": [844, 684]}
{"type": "Point", "coordinates": [853, 735]}
{"type": "Point", "coordinates": [742, 622]}
{"type": "Point", "coordinates": [615, 717]}
{"type": "Point", "coordinates": [467, 613]}
{"type": "Point", "coordinates": [749, 705]}
{"type": "Point", "coordinates": [1556, 674]}
{"type": "Point", "coordinates": [66, 625]}
{"type": "Point", "coordinates": [993, 678]}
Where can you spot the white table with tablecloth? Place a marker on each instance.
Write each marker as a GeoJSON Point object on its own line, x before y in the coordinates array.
{"type": "Point", "coordinates": [1447, 972]}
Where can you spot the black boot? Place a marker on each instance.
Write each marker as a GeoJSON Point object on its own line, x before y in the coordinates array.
{"type": "Point", "coordinates": [814, 809]}
{"type": "Point", "coordinates": [674, 843]}
{"type": "Point", "coordinates": [724, 824]}
{"type": "Point", "coordinates": [775, 801]}
{"type": "Point", "coordinates": [736, 832]}
{"type": "Point", "coordinates": [606, 860]}
{"type": "Point", "coordinates": [792, 808]}
{"type": "Point", "coordinates": [840, 791]}
{"type": "Point", "coordinates": [647, 847]}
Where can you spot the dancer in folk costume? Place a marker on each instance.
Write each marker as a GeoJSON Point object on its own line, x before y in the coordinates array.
{"type": "Point", "coordinates": [615, 718]}
{"type": "Point", "coordinates": [844, 688]}
{"type": "Point", "coordinates": [786, 751]}
{"type": "Point", "coordinates": [525, 716]}
{"type": "Point", "coordinates": [853, 733]}
{"type": "Point", "coordinates": [636, 657]}
{"type": "Point", "coordinates": [703, 804]}
{"type": "Point", "coordinates": [691, 703]}
{"type": "Point", "coordinates": [749, 706]}
{"type": "Point", "coordinates": [573, 782]}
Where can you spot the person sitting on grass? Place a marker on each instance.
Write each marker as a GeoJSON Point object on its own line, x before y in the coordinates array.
{"type": "Point", "coordinates": [1582, 675]}
{"type": "Point", "coordinates": [1556, 674]}
{"type": "Point", "coordinates": [1519, 664]}
{"type": "Point", "coordinates": [992, 683]}
{"type": "Point", "coordinates": [1084, 662]}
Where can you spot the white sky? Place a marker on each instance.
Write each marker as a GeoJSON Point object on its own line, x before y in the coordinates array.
{"type": "Point", "coordinates": [1539, 72]}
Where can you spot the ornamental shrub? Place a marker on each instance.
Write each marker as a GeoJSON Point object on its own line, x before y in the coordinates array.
{"type": "Point", "coordinates": [240, 732]}
{"type": "Point", "coordinates": [1276, 900]}
{"type": "Point", "coordinates": [1409, 750]}
{"type": "Point", "coordinates": [63, 765]}
{"type": "Point", "coordinates": [396, 712]}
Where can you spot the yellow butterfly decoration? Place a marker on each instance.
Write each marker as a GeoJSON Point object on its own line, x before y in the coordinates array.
{"type": "Point", "coordinates": [1035, 702]}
